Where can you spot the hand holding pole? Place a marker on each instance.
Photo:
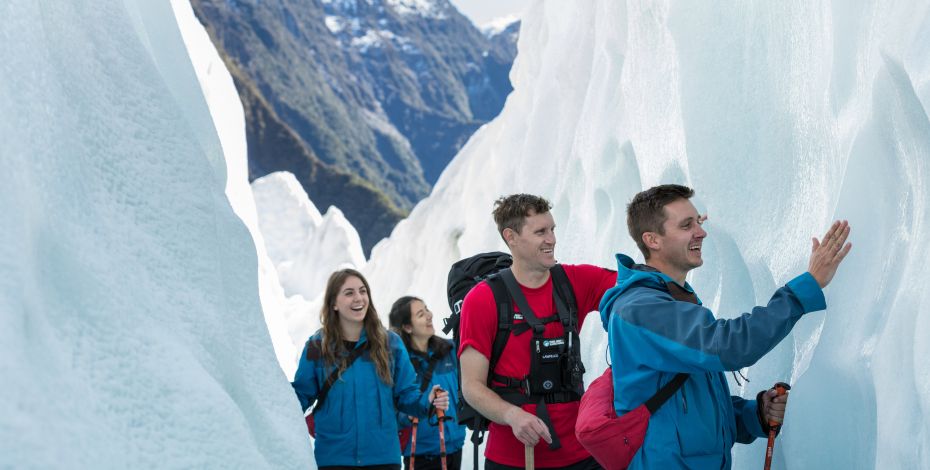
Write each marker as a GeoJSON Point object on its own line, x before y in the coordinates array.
{"type": "Point", "coordinates": [780, 389]}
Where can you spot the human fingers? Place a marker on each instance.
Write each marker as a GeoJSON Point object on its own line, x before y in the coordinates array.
{"type": "Point", "coordinates": [839, 236]}
{"type": "Point", "coordinates": [775, 416]}
{"type": "Point", "coordinates": [442, 401]}
{"type": "Point", "coordinates": [841, 239]}
{"type": "Point", "coordinates": [831, 232]}
{"type": "Point", "coordinates": [527, 434]}
{"type": "Point", "coordinates": [842, 253]}
{"type": "Point", "coordinates": [844, 233]}
{"type": "Point", "coordinates": [542, 430]}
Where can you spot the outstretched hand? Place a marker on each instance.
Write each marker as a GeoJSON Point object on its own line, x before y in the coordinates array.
{"type": "Point", "coordinates": [439, 398]}
{"type": "Point", "coordinates": [826, 256]}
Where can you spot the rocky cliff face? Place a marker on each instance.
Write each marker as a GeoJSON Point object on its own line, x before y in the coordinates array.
{"type": "Point", "coordinates": [364, 101]}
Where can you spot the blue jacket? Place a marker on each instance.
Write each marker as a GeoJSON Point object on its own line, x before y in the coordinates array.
{"type": "Point", "coordinates": [653, 337]}
{"type": "Point", "coordinates": [357, 424]}
{"type": "Point", "coordinates": [446, 376]}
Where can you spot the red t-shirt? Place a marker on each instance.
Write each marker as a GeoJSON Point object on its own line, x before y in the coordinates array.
{"type": "Point", "coordinates": [479, 325]}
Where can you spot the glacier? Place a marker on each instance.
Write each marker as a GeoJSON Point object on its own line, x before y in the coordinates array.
{"type": "Point", "coordinates": [131, 290]}
{"type": "Point", "coordinates": [143, 316]}
{"type": "Point", "coordinates": [783, 116]}
{"type": "Point", "coordinates": [304, 247]}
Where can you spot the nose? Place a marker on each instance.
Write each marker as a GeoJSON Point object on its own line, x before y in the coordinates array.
{"type": "Point", "coordinates": [700, 233]}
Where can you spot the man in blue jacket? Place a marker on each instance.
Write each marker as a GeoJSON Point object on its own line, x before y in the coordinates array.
{"type": "Point", "coordinates": [657, 328]}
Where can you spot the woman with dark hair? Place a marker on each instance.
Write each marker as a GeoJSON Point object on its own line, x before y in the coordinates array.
{"type": "Point", "coordinates": [433, 359]}
{"type": "Point", "coordinates": [370, 378]}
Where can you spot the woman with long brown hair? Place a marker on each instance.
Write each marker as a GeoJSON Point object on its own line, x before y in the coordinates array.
{"type": "Point", "coordinates": [370, 378]}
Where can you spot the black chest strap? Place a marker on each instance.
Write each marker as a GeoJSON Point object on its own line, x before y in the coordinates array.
{"type": "Point", "coordinates": [427, 373]}
{"type": "Point", "coordinates": [334, 375]}
{"type": "Point", "coordinates": [510, 391]}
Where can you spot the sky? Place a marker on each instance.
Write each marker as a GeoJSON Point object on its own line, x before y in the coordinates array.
{"type": "Point", "coordinates": [483, 11]}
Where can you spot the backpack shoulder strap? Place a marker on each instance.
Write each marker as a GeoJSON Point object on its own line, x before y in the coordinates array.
{"type": "Point", "coordinates": [666, 392]}
{"type": "Point", "coordinates": [564, 293]}
{"type": "Point", "coordinates": [504, 321]}
{"type": "Point", "coordinates": [513, 288]}
{"type": "Point", "coordinates": [669, 389]}
{"type": "Point", "coordinates": [428, 373]}
{"type": "Point", "coordinates": [334, 376]}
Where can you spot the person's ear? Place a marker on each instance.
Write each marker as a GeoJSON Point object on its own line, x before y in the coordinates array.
{"type": "Point", "coordinates": [509, 235]}
{"type": "Point", "coordinates": [408, 329]}
{"type": "Point", "coordinates": [652, 241]}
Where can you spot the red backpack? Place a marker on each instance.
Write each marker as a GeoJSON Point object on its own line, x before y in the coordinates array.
{"type": "Point", "coordinates": [613, 440]}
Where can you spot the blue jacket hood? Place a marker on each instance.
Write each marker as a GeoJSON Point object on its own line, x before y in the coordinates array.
{"type": "Point", "coordinates": [630, 274]}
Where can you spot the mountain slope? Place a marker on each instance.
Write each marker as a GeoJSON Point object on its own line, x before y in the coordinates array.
{"type": "Point", "coordinates": [385, 90]}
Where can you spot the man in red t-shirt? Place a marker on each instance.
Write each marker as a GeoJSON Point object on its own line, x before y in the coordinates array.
{"type": "Point", "coordinates": [527, 226]}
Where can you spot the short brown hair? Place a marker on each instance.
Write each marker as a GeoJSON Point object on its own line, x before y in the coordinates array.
{"type": "Point", "coordinates": [646, 212]}
{"type": "Point", "coordinates": [511, 211]}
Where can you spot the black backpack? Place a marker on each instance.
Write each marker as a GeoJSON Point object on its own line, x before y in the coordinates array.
{"type": "Point", "coordinates": [463, 276]}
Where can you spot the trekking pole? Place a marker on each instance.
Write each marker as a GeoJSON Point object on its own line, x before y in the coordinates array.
{"type": "Point", "coordinates": [441, 416]}
{"type": "Point", "coordinates": [780, 388]}
{"type": "Point", "coordinates": [413, 441]}
{"type": "Point", "coordinates": [528, 457]}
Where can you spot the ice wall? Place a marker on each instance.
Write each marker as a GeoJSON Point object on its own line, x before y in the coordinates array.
{"type": "Point", "coordinates": [131, 328]}
{"type": "Point", "coordinates": [783, 116]}
{"type": "Point", "coordinates": [305, 247]}
{"type": "Point", "coordinates": [217, 87]}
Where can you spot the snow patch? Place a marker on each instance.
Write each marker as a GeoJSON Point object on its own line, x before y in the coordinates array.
{"type": "Point", "coordinates": [423, 8]}
{"type": "Point", "coordinates": [334, 24]}
{"type": "Point", "coordinates": [498, 25]}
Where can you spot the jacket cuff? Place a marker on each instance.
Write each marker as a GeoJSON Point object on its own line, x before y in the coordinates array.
{"type": "Point", "coordinates": [425, 405]}
{"type": "Point", "coordinates": [808, 292]}
{"type": "Point", "coordinates": [762, 421]}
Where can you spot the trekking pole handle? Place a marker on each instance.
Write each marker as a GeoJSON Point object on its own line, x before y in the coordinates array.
{"type": "Point", "coordinates": [781, 388]}
{"type": "Point", "coordinates": [440, 414]}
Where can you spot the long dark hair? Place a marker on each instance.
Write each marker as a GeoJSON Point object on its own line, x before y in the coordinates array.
{"type": "Point", "coordinates": [401, 316]}
{"type": "Point", "coordinates": [333, 349]}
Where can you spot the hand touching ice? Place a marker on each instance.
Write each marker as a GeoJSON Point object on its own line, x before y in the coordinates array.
{"type": "Point", "coordinates": [827, 255]}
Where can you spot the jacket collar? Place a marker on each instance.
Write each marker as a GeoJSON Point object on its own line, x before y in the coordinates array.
{"type": "Point", "coordinates": [630, 274]}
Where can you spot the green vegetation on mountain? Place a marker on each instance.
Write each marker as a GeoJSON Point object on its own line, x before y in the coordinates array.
{"type": "Point", "coordinates": [365, 101]}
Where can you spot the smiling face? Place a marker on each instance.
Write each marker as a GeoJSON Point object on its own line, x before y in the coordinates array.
{"type": "Point", "coordinates": [351, 303]}
{"type": "Point", "coordinates": [421, 321]}
{"type": "Point", "coordinates": [534, 245]}
{"type": "Point", "coordinates": [678, 250]}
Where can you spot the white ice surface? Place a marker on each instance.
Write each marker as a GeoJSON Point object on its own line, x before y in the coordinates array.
{"type": "Point", "coordinates": [305, 247]}
{"type": "Point", "coordinates": [130, 321]}
{"type": "Point", "coordinates": [784, 116]}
